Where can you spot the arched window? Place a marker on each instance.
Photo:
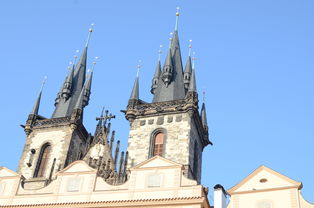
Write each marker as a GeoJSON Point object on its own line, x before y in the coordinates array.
{"type": "Point", "coordinates": [42, 161]}
{"type": "Point", "coordinates": [159, 144]}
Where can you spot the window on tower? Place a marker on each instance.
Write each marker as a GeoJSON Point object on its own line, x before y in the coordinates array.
{"type": "Point", "coordinates": [159, 144]}
{"type": "Point", "coordinates": [42, 161]}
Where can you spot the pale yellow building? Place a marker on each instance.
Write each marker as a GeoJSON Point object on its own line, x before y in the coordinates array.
{"type": "Point", "coordinates": [266, 188]}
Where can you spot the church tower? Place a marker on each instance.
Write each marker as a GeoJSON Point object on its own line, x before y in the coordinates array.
{"type": "Point", "coordinates": [171, 125]}
{"type": "Point", "coordinates": [53, 143]}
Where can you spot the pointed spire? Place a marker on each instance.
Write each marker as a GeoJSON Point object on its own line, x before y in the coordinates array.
{"type": "Point", "coordinates": [192, 86]}
{"type": "Point", "coordinates": [157, 73]}
{"type": "Point", "coordinates": [188, 69]}
{"type": "Point", "coordinates": [67, 86]}
{"type": "Point", "coordinates": [66, 105]}
{"type": "Point", "coordinates": [135, 90]}
{"type": "Point", "coordinates": [37, 103]}
{"type": "Point", "coordinates": [167, 73]}
{"type": "Point", "coordinates": [80, 101]}
{"type": "Point", "coordinates": [203, 115]}
{"type": "Point", "coordinates": [171, 85]}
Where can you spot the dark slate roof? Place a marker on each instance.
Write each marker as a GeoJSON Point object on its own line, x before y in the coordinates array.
{"type": "Point", "coordinates": [188, 66]}
{"type": "Point", "coordinates": [80, 100]}
{"type": "Point", "coordinates": [36, 105]}
{"type": "Point", "coordinates": [158, 70]}
{"type": "Point", "coordinates": [175, 89]}
{"type": "Point", "coordinates": [135, 90]}
{"type": "Point", "coordinates": [192, 86]}
{"type": "Point", "coordinates": [65, 106]}
{"type": "Point", "coordinates": [203, 115]}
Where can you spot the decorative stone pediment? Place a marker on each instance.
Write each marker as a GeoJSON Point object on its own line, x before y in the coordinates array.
{"type": "Point", "coordinates": [264, 178]}
{"type": "Point", "coordinates": [76, 167]}
{"type": "Point", "coordinates": [5, 172]}
{"type": "Point", "coordinates": [155, 162]}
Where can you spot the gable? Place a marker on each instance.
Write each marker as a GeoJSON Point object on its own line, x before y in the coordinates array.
{"type": "Point", "coordinates": [264, 178]}
{"type": "Point", "coordinates": [77, 166]}
{"type": "Point", "coordinates": [5, 172]}
{"type": "Point", "coordinates": [157, 161]}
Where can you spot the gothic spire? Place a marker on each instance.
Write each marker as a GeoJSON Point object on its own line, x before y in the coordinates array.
{"type": "Point", "coordinates": [192, 86]}
{"type": "Point", "coordinates": [203, 115]}
{"type": "Point", "coordinates": [37, 103]}
{"type": "Point", "coordinates": [88, 89]}
{"type": "Point", "coordinates": [135, 90]}
{"type": "Point", "coordinates": [66, 104]}
{"type": "Point", "coordinates": [157, 73]}
{"type": "Point", "coordinates": [171, 82]}
{"type": "Point", "coordinates": [80, 101]}
{"type": "Point", "coordinates": [67, 86]}
{"type": "Point", "coordinates": [188, 69]}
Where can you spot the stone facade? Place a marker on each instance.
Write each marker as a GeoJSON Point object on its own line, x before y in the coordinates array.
{"type": "Point", "coordinates": [176, 128]}
{"type": "Point", "coordinates": [181, 123]}
{"type": "Point", "coordinates": [67, 139]}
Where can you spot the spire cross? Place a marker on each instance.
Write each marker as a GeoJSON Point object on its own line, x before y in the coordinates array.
{"type": "Point", "coordinates": [190, 47]}
{"type": "Point", "coordinates": [105, 117]}
{"type": "Point", "coordinates": [89, 34]}
{"type": "Point", "coordinates": [159, 52]}
{"type": "Point", "coordinates": [138, 68]}
{"type": "Point", "coordinates": [203, 96]}
{"type": "Point", "coordinates": [177, 18]}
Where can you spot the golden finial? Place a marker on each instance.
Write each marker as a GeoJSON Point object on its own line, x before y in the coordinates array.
{"type": "Point", "coordinates": [177, 18]}
{"type": "Point", "coordinates": [170, 39]}
{"type": "Point", "coordinates": [75, 57]}
{"type": "Point", "coordinates": [89, 34]}
{"type": "Point", "coordinates": [88, 70]}
{"type": "Point", "coordinates": [159, 52]}
{"type": "Point", "coordinates": [138, 67]}
{"type": "Point", "coordinates": [190, 47]}
{"type": "Point", "coordinates": [94, 62]}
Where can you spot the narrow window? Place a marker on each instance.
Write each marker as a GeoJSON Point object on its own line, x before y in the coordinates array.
{"type": "Point", "coordinates": [159, 144]}
{"type": "Point", "coordinates": [43, 161]}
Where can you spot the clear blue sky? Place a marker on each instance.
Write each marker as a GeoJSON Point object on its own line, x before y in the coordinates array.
{"type": "Point", "coordinates": [254, 60]}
